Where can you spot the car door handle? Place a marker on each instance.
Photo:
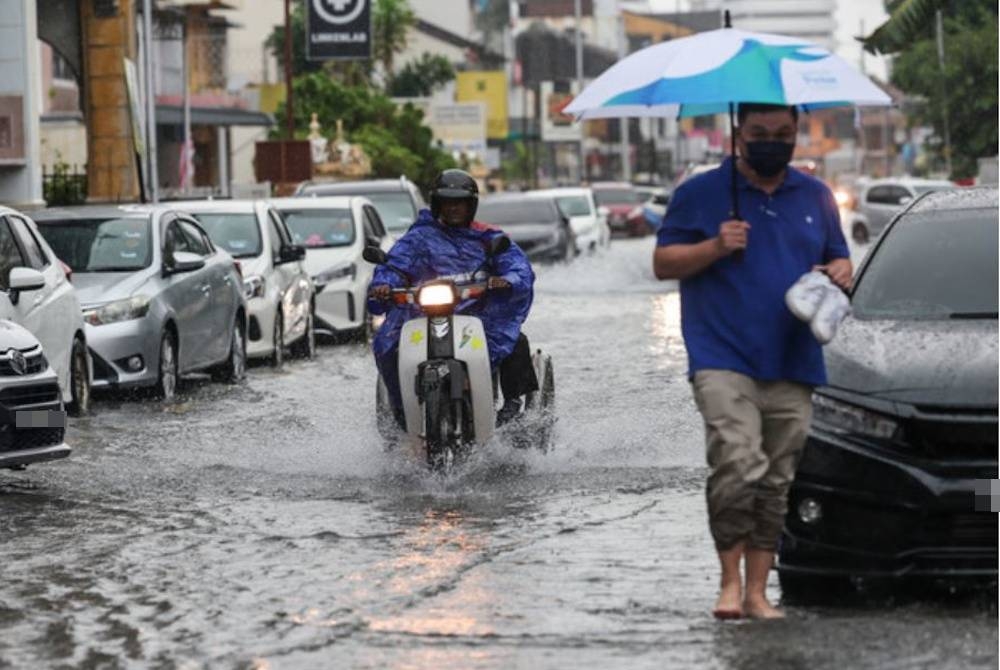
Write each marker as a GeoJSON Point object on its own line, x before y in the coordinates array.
{"type": "Point", "coordinates": [206, 288]}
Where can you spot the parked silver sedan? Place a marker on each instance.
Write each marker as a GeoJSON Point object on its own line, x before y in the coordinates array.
{"type": "Point", "coordinates": [159, 299]}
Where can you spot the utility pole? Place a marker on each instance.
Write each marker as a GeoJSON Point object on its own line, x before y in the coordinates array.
{"type": "Point", "coordinates": [944, 90]}
{"type": "Point", "coordinates": [186, 90]}
{"type": "Point", "coordinates": [622, 52]}
{"type": "Point", "coordinates": [577, 11]}
{"type": "Point", "coordinates": [151, 156]}
{"type": "Point", "coordinates": [289, 115]}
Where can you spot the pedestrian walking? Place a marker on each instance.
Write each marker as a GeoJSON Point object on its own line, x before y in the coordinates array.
{"type": "Point", "coordinates": [752, 363]}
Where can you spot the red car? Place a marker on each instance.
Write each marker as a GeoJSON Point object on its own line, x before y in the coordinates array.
{"type": "Point", "coordinates": [624, 207]}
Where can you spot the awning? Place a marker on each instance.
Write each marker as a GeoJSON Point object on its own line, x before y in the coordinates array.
{"type": "Point", "coordinates": [171, 115]}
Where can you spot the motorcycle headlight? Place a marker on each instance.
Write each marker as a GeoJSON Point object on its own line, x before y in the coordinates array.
{"type": "Point", "coordinates": [336, 272]}
{"type": "Point", "coordinates": [436, 295]}
{"type": "Point", "coordinates": [254, 286]}
{"type": "Point", "coordinates": [841, 417]}
{"type": "Point", "coordinates": [135, 307]}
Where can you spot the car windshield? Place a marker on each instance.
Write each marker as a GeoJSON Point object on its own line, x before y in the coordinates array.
{"type": "Point", "coordinates": [573, 205]}
{"type": "Point", "coordinates": [238, 234]}
{"type": "Point", "coordinates": [317, 228]}
{"type": "Point", "coordinates": [101, 245]}
{"type": "Point", "coordinates": [395, 209]}
{"type": "Point", "coordinates": [513, 212]}
{"type": "Point", "coordinates": [616, 196]}
{"type": "Point", "coordinates": [933, 265]}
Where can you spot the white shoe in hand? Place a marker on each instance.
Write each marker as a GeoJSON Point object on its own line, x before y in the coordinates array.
{"type": "Point", "coordinates": [804, 297]}
{"type": "Point", "coordinates": [832, 310]}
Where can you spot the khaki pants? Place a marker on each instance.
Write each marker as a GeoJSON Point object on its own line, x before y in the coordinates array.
{"type": "Point", "coordinates": [754, 433]}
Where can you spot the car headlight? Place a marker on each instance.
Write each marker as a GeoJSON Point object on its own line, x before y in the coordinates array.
{"type": "Point", "coordinates": [336, 272]}
{"type": "Point", "coordinates": [135, 307]}
{"type": "Point", "coordinates": [841, 417]}
{"type": "Point", "coordinates": [254, 286]}
{"type": "Point", "coordinates": [436, 295]}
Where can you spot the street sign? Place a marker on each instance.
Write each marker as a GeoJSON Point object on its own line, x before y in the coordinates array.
{"type": "Point", "coordinates": [339, 30]}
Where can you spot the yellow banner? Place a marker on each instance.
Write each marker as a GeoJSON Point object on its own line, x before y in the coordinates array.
{"type": "Point", "coordinates": [490, 88]}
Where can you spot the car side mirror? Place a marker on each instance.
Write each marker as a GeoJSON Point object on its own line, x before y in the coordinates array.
{"type": "Point", "coordinates": [373, 242]}
{"type": "Point", "coordinates": [24, 279]}
{"type": "Point", "coordinates": [375, 255]}
{"type": "Point", "coordinates": [184, 261]}
{"type": "Point", "coordinates": [603, 211]}
{"type": "Point", "coordinates": [291, 253]}
{"type": "Point", "coordinates": [498, 245]}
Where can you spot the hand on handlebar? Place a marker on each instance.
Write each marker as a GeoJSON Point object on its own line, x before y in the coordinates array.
{"type": "Point", "coordinates": [494, 283]}
{"type": "Point", "coordinates": [382, 292]}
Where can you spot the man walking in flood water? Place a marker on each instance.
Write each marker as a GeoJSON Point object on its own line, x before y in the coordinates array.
{"type": "Point", "coordinates": [752, 363]}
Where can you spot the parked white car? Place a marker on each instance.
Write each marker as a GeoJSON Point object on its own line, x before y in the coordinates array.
{"type": "Point", "coordinates": [37, 294]}
{"type": "Point", "coordinates": [881, 199]}
{"type": "Point", "coordinates": [589, 225]}
{"type": "Point", "coordinates": [334, 231]}
{"type": "Point", "coordinates": [32, 420]}
{"type": "Point", "coordinates": [277, 287]}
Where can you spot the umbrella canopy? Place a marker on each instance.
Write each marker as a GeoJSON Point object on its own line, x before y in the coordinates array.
{"type": "Point", "coordinates": [704, 73]}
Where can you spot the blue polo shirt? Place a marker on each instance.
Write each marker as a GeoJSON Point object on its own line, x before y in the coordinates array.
{"type": "Point", "coordinates": [733, 313]}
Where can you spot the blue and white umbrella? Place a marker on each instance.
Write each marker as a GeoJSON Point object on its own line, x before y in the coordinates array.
{"type": "Point", "coordinates": [706, 72]}
{"type": "Point", "coordinates": [709, 73]}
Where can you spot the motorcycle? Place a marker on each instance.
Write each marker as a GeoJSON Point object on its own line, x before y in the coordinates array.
{"type": "Point", "coordinates": [449, 392]}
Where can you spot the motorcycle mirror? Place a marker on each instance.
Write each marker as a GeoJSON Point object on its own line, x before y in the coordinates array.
{"type": "Point", "coordinates": [374, 255]}
{"type": "Point", "coordinates": [499, 244]}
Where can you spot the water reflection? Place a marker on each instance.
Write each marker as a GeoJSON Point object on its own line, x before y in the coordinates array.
{"type": "Point", "coordinates": [666, 344]}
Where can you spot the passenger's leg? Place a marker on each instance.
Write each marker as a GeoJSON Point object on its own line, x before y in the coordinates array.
{"type": "Point", "coordinates": [517, 379]}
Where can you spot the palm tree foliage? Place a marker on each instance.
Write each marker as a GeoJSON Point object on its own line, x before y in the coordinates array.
{"type": "Point", "coordinates": [909, 20]}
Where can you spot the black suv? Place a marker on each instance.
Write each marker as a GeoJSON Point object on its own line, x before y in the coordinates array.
{"type": "Point", "coordinates": [396, 200]}
{"type": "Point", "coordinates": [903, 442]}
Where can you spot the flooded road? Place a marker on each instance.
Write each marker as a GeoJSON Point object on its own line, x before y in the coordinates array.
{"type": "Point", "coordinates": [265, 527]}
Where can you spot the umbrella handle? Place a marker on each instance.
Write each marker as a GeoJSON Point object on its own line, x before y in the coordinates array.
{"type": "Point", "coordinates": [734, 210]}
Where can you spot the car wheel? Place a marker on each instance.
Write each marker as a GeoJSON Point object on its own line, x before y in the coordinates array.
{"type": "Point", "coordinates": [166, 384]}
{"type": "Point", "coordinates": [234, 370]}
{"type": "Point", "coordinates": [79, 379]}
{"type": "Point", "coordinates": [305, 346]}
{"type": "Point", "coordinates": [859, 232]}
{"type": "Point", "coordinates": [278, 337]}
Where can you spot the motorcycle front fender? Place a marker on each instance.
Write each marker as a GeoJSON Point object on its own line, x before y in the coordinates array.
{"type": "Point", "coordinates": [469, 347]}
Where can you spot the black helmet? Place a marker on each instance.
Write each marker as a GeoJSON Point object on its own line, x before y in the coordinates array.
{"type": "Point", "coordinates": [454, 185]}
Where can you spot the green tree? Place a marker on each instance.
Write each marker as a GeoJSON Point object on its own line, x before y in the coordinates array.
{"type": "Point", "coordinates": [391, 21]}
{"type": "Point", "coordinates": [395, 138]}
{"type": "Point", "coordinates": [967, 88]}
{"type": "Point", "coordinates": [422, 77]}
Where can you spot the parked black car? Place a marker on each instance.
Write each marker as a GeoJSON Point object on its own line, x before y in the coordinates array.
{"type": "Point", "coordinates": [907, 425]}
{"type": "Point", "coordinates": [534, 222]}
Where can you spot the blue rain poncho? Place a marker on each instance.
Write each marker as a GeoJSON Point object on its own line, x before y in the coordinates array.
{"type": "Point", "coordinates": [431, 250]}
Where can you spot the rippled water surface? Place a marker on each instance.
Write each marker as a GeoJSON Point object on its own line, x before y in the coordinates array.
{"type": "Point", "coordinates": [265, 527]}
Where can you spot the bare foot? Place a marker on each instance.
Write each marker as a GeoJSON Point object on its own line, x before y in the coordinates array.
{"type": "Point", "coordinates": [728, 604]}
{"type": "Point", "coordinates": [759, 608]}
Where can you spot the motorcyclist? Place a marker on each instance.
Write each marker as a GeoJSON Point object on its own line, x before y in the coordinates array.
{"type": "Point", "coordinates": [447, 242]}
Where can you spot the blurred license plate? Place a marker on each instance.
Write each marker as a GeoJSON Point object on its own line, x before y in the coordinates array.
{"type": "Point", "coordinates": [40, 418]}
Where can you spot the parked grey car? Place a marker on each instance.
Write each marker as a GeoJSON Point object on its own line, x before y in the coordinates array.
{"type": "Point", "coordinates": [32, 417]}
{"type": "Point", "coordinates": [159, 299]}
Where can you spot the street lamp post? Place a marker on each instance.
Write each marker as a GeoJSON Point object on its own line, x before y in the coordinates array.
{"type": "Point", "coordinates": [289, 115]}
{"type": "Point", "coordinates": [577, 11]}
{"type": "Point", "coordinates": [152, 168]}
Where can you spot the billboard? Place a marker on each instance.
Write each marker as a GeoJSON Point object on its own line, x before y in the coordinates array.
{"type": "Point", "coordinates": [489, 87]}
{"type": "Point", "coordinates": [460, 126]}
{"type": "Point", "coordinates": [556, 126]}
{"type": "Point", "coordinates": [339, 29]}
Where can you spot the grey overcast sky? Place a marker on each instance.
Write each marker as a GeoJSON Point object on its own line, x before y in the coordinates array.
{"type": "Point", "coordinates": [849, 15]}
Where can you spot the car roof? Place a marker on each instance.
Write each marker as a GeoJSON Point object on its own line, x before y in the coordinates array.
{"type": "Point", "coordinates": [97, 212]}
{"type": "Point", "coordinates": [517, 195]}
{"type": "Point", "coordinates": [909, 181]}
{"type": "Point", "coordinates": [317, 202]}
{"type": "Point", "coordinates": [561, 190]}
{"type": "Point", "coordinates": [976, 197]}
{"type": "Point", "coordinates": [612, 184]}
{"type": "Point", "coordinates": [240, 205]}
{"type": "Point", "coordinates": [359, 187]}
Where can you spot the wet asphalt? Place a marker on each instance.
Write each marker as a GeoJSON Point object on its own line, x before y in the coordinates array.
{"type": "Point", "coordinates": [264, 526]}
